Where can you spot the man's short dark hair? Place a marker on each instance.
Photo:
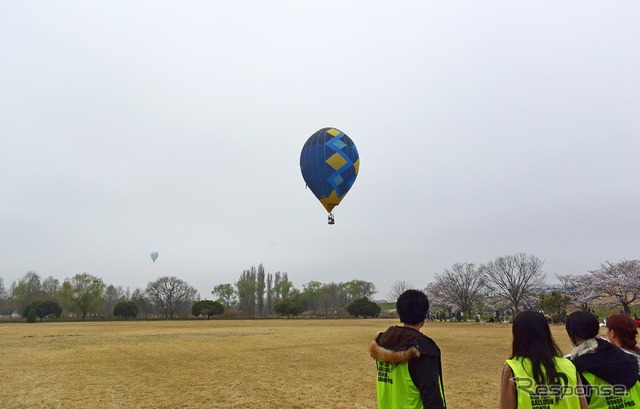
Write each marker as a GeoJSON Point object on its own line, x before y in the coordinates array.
{"type": "Point", "coordinates": [412, 307]}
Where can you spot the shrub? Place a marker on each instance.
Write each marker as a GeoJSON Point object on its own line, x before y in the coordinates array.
{"type": "Point", "coordinates": [289, 307]}
{"type": "Point", "coordinates": [126, 309]}
{"type": "Point", "coordinates": [207, 307]}
{"type": "Point", "coordinates": [31, 315]}
{"type": "Point", "coordinates": [362, 306]}
{"type": "Point", "coordinates": [43, 309]}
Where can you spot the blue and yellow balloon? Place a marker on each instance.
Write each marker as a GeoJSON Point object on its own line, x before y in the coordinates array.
{"type": "Point", "coordinates": [329, 163]}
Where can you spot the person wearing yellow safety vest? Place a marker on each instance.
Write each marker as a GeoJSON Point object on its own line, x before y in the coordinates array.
{"type": "Point", "coordinates": [609, 375]}
{"type": "Point", "coordinates": [409, 370]}
{"type": "Point", "coordinates": [536, 376]}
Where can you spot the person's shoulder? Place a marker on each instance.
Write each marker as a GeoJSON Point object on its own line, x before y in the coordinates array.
{"type": "Point", "coordinates": [564, 362]}
{"type": "Point", "coordinates": [428, 345]}
{"type": "Point", "coordinates": [381, 333]}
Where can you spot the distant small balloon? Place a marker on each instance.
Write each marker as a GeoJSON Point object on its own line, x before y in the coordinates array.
{"type": "Point", "coordinates": [154, 256]}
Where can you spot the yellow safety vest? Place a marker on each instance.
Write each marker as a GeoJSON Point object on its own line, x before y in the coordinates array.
{"type": "Point", "coordinates": [533, 396]}
{"type": "Point", "coordinates": [607, 396]}
{"type": "Point", "coordinates": [395, 388]}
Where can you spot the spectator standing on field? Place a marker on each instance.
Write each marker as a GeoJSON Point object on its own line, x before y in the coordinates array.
{"type": "Point", "coordinates": [608, 373]}
{"type": "Point", "coordinates": [409, 368]}
{"type": "Point", "coordinates": [621, 332]}
{"type": "Point", "coordinates": [535, 365]}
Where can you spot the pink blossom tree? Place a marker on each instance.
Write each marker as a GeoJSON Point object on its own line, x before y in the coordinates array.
{"type": "Point", "coordinates": [620, 281]}
{"type": "Point", "coordinates": [438, 297]}
{"type": "Point", "coordinates": [580, 289]}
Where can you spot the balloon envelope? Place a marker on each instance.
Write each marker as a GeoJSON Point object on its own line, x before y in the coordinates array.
{"type": "Point", "coordinates": [154, 256]}
{"type": "Point", "coordinates": [329, 163]}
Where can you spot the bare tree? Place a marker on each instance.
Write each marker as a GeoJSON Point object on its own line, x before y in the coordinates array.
{"type": "Point", "coordinates": [112, 296]}
{"type": "Point", "coordinates": [514, 278]}
{"type": "Point", "coordinates": [397, 289]}
{"type": "Point", "coordinates": [171, 295]}
{"type": "Point", "coordinates": [145, 307]}
{"type": "Point", "coordinates": [51, 286]}
{"type": "Point", "coordinates": [462, 286]}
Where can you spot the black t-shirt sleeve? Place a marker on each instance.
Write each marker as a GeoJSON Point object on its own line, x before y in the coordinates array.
{"type": "Point", "coordinates": [425, 373]}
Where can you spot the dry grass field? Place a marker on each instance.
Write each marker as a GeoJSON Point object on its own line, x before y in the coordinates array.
{"type": "Point", "coordinates": [231, 364]}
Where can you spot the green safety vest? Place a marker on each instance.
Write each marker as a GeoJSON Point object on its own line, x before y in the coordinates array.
{"type": "Point", "coordinates": [607, 396]}
{"type": "Point", "coordinates": [533, 396]}
{"type": "Point", "coordinates": [395, 388]}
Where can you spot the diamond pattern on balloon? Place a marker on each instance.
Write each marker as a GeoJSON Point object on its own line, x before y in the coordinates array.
{"type": "Point", "coordinates": [336, 161]}
{"type": "Point", "coordinates": [339, 144]}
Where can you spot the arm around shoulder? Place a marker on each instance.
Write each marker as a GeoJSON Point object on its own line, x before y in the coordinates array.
{"type": "Point", "coordinates": [583, 399]}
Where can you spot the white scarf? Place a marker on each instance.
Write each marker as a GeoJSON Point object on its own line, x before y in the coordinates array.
{"type": "Point", "coordinates": [585, 347]}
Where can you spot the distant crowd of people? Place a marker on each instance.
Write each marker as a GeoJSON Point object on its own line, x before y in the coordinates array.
{"type": "Point", "coordinates": [458, 316]}
{"type": "Point", "coordinates": [599, 373]}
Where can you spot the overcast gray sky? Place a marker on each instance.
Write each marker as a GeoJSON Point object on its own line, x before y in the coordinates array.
{"type": "Point", "coordinates": [485, 128]}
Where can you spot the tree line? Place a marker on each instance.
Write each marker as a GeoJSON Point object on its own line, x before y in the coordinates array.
{"type": "Point", "coordinates": [506, 284]}
{"type": "Point", "coordinates": [85, 295]}
{"type": "Point", "coordinates": [255, 294]}
{"type": "Point", "coordinates": [517, 282]}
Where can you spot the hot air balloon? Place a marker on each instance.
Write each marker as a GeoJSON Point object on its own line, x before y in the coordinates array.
{"type": "Point", "coordinates": [154, 256]}
{"type": "Point", "coordinates": [329, 163]}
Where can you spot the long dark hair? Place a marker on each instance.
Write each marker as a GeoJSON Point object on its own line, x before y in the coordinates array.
{"type": "Point", "coordinates": [532, 339]}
